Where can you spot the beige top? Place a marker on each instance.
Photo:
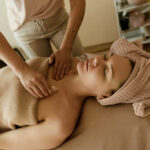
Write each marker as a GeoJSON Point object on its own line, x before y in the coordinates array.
{"type": "Point", "coordinates": [20, 11]}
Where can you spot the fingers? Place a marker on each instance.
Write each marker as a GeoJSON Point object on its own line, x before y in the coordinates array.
{"type": "Point", "coordinates": [47, 86]}
{"type": "Point", "coordinates": [35, 83]}
{"type": "Point", "coordinates": [55, 70]}
{"type": "Point", "coordinates": [39, 87]}
{"type": "Point", "coordinates": [63, 70]}
{"type": "Point", "coordinates": [59, 70]}
{"type": "Point", "coordinates": [67, 69]}
{"type": "Point", "coordinates": [38, 92]}
{"type": "Point", "coordinates": [35, 93]}
{"type": "Point", "coordinates": [42, 88]}
{"type": "Point", "coordinates": [51, 59]}
{"type": "Point", "coordinates": [32, 92]}
{"type": "Point", "coordinates": [61, 65]}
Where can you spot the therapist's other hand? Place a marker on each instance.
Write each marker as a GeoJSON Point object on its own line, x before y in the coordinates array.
{"type": "Point", "coordinates": [62, 63]}
{"type": "Point", "coordinates": [35, 83]}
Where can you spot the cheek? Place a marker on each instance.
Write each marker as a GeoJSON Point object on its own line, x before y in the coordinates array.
{"type": "Point", "coordinates": [92, 81]}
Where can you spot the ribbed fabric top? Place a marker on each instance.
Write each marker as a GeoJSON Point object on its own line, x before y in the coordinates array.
{"type": "Point", "coordinates": [20, 11]}
{"type": "Point", "coordinates": [136, 89]}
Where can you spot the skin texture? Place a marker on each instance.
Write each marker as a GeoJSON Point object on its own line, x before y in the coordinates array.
{"type": "Point", "coordinates": [58, 113]}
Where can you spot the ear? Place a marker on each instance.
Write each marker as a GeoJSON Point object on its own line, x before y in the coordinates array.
{"type": "Point", "coordinates": [106, 95]}
{"type": "Point", "coordinates": [99, 97]}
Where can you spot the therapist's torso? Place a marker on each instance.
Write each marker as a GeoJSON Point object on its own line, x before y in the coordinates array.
{"type": "Point", "coordinates": [20, 11]}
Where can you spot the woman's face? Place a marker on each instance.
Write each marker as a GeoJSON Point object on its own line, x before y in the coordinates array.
{"type": "Point", "coordinates": [103, 74]}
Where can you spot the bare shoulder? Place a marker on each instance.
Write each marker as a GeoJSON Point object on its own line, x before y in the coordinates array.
{"type": "Point", "coordinates": [57, 107]}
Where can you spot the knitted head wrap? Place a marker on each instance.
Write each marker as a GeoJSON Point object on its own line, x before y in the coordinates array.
{"type": "Point", "coordinates": [139, 76]}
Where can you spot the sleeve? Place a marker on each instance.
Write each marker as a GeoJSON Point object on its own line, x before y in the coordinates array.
{"type": "Point", "coordinates": [142, 108]}
{"type": "Point", "coordinates": [122, 47]}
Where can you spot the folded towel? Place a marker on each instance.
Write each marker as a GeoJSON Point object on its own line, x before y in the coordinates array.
{"type": "Point", "coordinates": [17, 106]}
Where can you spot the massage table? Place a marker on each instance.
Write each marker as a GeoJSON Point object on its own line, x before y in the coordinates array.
{"type": "Point", "coordinates": [109, 128]}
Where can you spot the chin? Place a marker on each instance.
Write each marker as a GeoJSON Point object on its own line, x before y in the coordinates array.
{"type": "Point", "coordinates": [80, 67]}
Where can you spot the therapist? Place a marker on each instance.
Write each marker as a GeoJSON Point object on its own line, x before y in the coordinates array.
{"type": "Point", "coordinates": [36, 23]}
{"type": "Point", "coordinates": [32, 80]}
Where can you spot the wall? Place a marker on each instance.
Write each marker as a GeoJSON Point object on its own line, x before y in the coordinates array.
{"type": "Point", "coordinates": [99, 25]}
{"type": "Point", "coordinates": [4, 27]}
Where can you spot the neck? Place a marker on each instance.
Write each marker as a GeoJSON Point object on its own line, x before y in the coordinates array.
{"type": "Point", "coordinates": [72, 85]}
{"type": "Point", "coordinates": [75, 88]}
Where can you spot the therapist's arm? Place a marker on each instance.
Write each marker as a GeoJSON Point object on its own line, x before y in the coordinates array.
{"type": "Point", "coordinates": [32, 80]}
{"type": "Point", "coordinates": [63, 56]}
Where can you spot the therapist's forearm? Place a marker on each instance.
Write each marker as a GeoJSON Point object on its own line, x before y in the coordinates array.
{"type": "Point", "coordinates": [9, 56]}
{"type": "Point", "coordinates": [77, 10]}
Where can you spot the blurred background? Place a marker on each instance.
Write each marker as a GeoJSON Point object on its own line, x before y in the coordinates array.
{"type": "Point", "coordinates": [99, 25]}
{"type": "Point", "coordinates": [104, 22]}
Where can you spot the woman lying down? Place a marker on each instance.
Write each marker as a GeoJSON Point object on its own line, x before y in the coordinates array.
{"type": "Point", "coordinates": [119, 77]}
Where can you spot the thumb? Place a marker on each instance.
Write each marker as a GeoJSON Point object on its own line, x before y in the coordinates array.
{"type": "Point", "coordinates": [51, 58]}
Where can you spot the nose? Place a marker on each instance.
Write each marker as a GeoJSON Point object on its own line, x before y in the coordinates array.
{"type": "Point", "coordinates": [98, 61]}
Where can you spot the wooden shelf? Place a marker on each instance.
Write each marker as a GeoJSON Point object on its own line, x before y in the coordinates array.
{"type": "Point", "coordinates": [129, 8]}
{"type": "Point", "coordinates": [146, 41]}
{"type": "Point", "coordinates": [133, 33]}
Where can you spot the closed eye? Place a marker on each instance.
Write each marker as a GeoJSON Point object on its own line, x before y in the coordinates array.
{"type": "Point", "coordinates": [105, 67]}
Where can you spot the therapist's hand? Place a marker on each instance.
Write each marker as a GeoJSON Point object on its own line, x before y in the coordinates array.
{"type": "Point", "coordinates": [62, 63]}
{"type": "Point", "coordinates": [35, 83]}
